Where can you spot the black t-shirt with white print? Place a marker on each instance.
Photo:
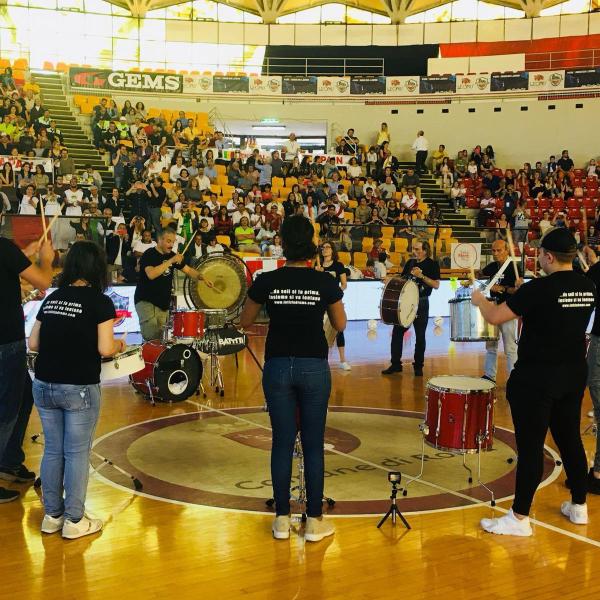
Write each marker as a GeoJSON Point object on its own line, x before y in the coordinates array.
{"type": "Point", "coordinates": [156, 291]}
{"type": "Point", "coordinates": [296, 300]}
{"type": "Point", "coordinates": [68, 350]}
{"type": "Point", "coordinates": [556, 311]}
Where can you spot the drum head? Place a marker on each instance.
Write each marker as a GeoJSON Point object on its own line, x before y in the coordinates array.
{"type": "Point", "coordinates": [177, 373]}
{"type": "Point", "coordinates": [408, 303]}
{"type": "Point", "coordinates": [228, 274]}
{"type": "Point", "coordinates": [460, 383]}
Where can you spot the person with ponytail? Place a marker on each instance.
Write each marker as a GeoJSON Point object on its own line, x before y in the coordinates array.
{"type": "Point", "coordinates": [296, 378]}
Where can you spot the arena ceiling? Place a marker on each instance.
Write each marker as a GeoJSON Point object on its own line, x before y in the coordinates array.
{"type": "Point", "coordinates": [397, 10]}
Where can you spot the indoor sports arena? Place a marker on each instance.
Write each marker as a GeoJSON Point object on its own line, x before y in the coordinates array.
{"type": "Point", "coordinates": [299, 299]}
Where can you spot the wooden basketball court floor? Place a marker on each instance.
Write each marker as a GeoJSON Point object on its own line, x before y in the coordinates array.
{"type": "Point", "coordinates": [155, 549]}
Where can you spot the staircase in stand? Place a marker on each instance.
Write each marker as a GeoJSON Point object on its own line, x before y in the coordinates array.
{"type": "Point", "coordinates": [75, 138]}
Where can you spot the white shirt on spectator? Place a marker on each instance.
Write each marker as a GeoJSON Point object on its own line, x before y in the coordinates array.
{"type": "Point", "coordinates": [410, 201]}
{"type": "Point", "coordinates": [73, 200]}
{"type": "Point", "coordinates": [237, 216]}
{"type": "Point", "coordinates": [175, 172]}
{"type": "Point", "coordinates": [420, 144]}
{"type": "Point", "coordinates": [216, 248]}
{"type": "Point", "coordinates": [203, 182]}
{"type": "Point", "coordinates": [354, 170]}
{"type": "Point", "coordinates": [52, 206]}
{"type": "Point", "coordinates": [28, 205]}
{"type": "Point", "coordinates": [141, 247]}
{"type": "Point", "coordinates": [214, 206]}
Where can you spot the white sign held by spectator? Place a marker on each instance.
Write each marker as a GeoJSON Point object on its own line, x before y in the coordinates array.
{"type": "Point", "coordinates": [465, 255]}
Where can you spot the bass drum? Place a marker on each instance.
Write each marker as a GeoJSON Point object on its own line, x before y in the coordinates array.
{"type": "Point", "coordinates": [172, 372]}
{"type": "Point", "coordinates": [230, 280]}
{"type": "Point", "coordinates": [399, 302]}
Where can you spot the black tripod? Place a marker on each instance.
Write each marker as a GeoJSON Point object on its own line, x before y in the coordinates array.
{"type": "Point", "coordinates": [393, 510]}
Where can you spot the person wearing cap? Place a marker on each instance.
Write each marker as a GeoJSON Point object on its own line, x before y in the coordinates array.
{"type": "Point", "coordinates": [546, 386]}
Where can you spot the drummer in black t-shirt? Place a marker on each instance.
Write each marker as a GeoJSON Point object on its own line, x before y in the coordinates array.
{"type": "Point", "coordinates": [153, 291]}
{"type": "Point", "coordinates": [73, 329]}
{"type": "Point", "coordinates": [547, 384]}
{"type": "Point", "coordinates": [501, 291]}
{"type": "Point", "coordinates": [13, 353]}
{"type": "Point", "coordinates": [426, 273]}
{"type": "Point", "coordinates": [296, 376]}
{"type": "Point", "coordinates": [329, 262]}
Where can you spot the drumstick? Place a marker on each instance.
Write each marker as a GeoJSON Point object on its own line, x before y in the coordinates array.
{"type": "Point", "coordinates": [44, 224]}
{"type": "Point", "coordinates": [472, 269]}
{"type": "Point", "coordinates": [49, 226]}
{"type": "Point", "coordinates": [188, 244]}
{"type": "Point", "coordinates": [511, 248]}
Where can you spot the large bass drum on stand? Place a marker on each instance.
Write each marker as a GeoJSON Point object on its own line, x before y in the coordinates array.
{"type": "Point", "coordinates": [399, 302]}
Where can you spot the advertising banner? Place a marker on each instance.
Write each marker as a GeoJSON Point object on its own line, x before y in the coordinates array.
{"type": "Point", "coordinates": [366, 86]}
{"type": "Point", "coordinates": [582, 77]}
{"type": "Point", "coordinates": [238, 84]}
{"type": "Point", "coordinates": [17, 164]}
{"type": "Point", "coordinates": [465, 256]}
{"type": "Point", "coordinates": [333, 86]}
{"type": "Point", "coordinates": [509, 82]}
{"type": "Point", "coordinates": [197, 84]}
{"type": "Point", "coordinates": [402, 86]}
{"type": "Point", "coordinates": [266, 86]}
{"type": "Point", "coordinates": [438, 84]}
{"type": "Point", "coordinates": [106, 79]}
{"type": "Point", "coordinates": [473, 83]}
{"type": "Point", "coordinates": [299, 85]}
{"type": "Point", "coordinates": [546, 80]}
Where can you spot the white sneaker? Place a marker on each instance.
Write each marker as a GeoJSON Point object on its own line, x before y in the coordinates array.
{"type": "Point", "coordinates": [508, 525]}
{"type": "Point", "coordinates": [345, 366]}
{"type": "Point", "coordinates": [86, 526]}
{"type": "Point", "coordinates": [577, 513]}
{"type": "Point", "coordinates": [317, 529]}
{"type": "Point", "coordinates": [52, 524]}
{"type": "Point", "coordinates": [281, 527]}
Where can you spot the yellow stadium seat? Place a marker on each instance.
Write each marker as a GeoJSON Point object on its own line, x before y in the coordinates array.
{"type": "Point", "coordinates": [352, 203]}
{"type": "Point", "coordinates": [277, 182]}
{"type": "Point", "coordinates": [344, 257]}
{"type": "Point", "coordinates": [400, 244]}
{"type": "Point", "coordinates": [348, 216]}
{"type": "Point", "coordinates": [388, 232]}
{"type": "Point", "coordinates": [360, 260]}
{"type": "Point", "coordinates": [227, 190]}
{"type": "Point", "coordinates": [396, 259]}
{"type": "Point", "coordinates": [215, 188]}
{"type": "Point", "coordinates": [367, 244]}
{"type": "Point", "coordinates": [291, 181]}
{"type": "Point", "coordinates": [445, 232]}
{"type": "Point", "coordinates": [224, 240]}
{"type": "Point", "coordinates": [221, 169]}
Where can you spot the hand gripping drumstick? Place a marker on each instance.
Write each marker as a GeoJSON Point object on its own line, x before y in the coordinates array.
{"type": "Point", "coordinates": [511, 248]}
{"type": "Point", "coordinates": [49, 227]}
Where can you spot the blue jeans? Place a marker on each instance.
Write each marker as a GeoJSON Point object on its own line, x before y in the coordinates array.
{"type": "Point", "coordinates": [593, 359]}
{"type": "Point", "coordinates": [304, 383]}
{"type": "Point", "coordinates": [13, 370]}
{"type": "Point", "coordinates": [69, 414]}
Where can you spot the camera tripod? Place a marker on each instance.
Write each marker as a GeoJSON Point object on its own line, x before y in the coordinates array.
{"type": "Point", "coordinates": [393, 510]}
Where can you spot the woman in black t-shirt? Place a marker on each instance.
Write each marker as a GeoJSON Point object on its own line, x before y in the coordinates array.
{"type": "Point", "coordinates": [296, 378]}
{"type": "Point", "coordinates": [330, 263]}
{"type": "Point", "coordinates": [74, 328]}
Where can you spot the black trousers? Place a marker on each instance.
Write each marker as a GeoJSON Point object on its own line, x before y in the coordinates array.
{"type": "Point", "coordinates": [540, 400]}
{"type": "Point", "coordinates": [420, 325]}
{"type": "Point", "coordinates": [14, 456]}
{"type": "Point", "coordinates": [420, 159]}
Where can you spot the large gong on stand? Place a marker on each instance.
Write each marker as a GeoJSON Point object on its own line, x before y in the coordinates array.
{"type": "Point", "coordinates": [230, 278]}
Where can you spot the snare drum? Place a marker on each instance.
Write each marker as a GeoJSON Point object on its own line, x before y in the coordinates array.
{"type": "Point", "coordinates": [171, 372]}
{"type": "Point", "coordinates": [123, 364]}
{"type": "Point", "coordinates": [466, 321]}
{"type": "Point", "coordinates": [214, 318]}
{"type": "Point", "coordinates": [399, 302]}
{"type": "Point", "coordinates": [188, 325]}
{"type": "Point", "coordinates": [460, 413]}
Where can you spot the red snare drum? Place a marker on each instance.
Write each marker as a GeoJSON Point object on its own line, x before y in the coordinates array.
{"type": "Point", "coordinates": [172, 372]}
{"type": "Point", "coordinates": [460, 413]}
{"type": "Point", "coordinates": [188, 325]}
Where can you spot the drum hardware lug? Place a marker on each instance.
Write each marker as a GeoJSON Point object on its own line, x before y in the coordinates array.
{"type": "Point", "coordinates": [424, 428]}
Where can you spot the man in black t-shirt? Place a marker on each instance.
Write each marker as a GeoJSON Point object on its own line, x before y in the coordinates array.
{"type": "Point", "coordinates": [13, 369]}
{"type": "Point", "coordinates": [505, 287]}
{"type": "Point", "coordinates": [565, 163]}
{"type": "Point", "coordinates": [547, 384]}
{"type": "Point", "coordinates": [153, 291]}
{"type": "Point", "coordinates": [426, 272]}
{"type": "Point", "coordinates": [593, 360]}
{"type": "Point", "coordinates": [157, 195]}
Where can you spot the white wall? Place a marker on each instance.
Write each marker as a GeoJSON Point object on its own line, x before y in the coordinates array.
{"type": "Point", "coordinates": [517, 136]}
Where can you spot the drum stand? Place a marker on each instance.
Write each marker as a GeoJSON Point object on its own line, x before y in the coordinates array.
{"type": "Point", "coordinates": [300, 496]}
{"type": "Point", "coordinates": [481, 437]}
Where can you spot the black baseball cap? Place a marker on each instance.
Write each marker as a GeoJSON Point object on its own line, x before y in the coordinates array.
{"type": "Point", "coordinates": [560, 240]}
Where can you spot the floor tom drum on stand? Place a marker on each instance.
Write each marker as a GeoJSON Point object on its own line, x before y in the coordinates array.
{"type": "Point", "coordinates": [466, 321]}
{"type": "Point", "coordinates": [460, 413]}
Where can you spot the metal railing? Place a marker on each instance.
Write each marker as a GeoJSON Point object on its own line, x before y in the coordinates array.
{"type": "Point", "coordinates": [563, 59]}
{"type": "Point", "coordinates": [324, 67]}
